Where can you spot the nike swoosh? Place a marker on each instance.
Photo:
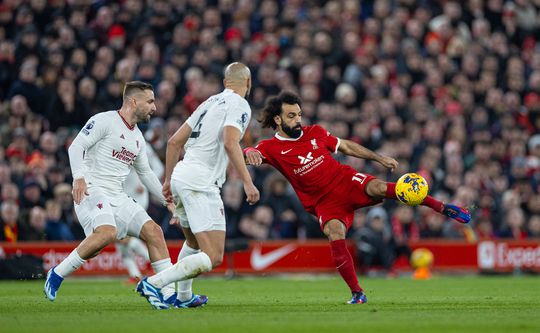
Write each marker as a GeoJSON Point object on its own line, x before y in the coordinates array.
{"type": "Point", "coordinates": [261, 261]}
{"type": "Point", "coordinates": [283, 152]}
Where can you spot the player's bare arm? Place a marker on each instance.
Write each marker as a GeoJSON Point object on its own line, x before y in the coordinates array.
{"type": "Point", "coordinates": [231, 142]}
{"type": "Point", "coordinates": [175, 146]}
{"type": "Point", "coordinates": [253, 156]}
{"type": "Point", "coordinates": [351, 148]}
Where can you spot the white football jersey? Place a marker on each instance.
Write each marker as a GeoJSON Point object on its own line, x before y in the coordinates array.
{"type": "Point", "coordinates": [111, 147]}
{"type": "Point", "coordinates": [205, 160]}
{"type": "Point", "coordinates": [133, 184]}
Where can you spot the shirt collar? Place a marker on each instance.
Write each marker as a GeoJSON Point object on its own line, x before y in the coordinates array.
{"type": "Point", "coordinates": [279, 137]}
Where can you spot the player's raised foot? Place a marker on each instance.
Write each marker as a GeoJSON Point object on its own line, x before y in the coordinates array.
{"type": "Point", "coordinates": [194, 302]}
{"type": "Point", "coordinates": [152, 294]}
{"type": "Point", "coordinates": [459, 214]}
{"type": "Point", "coordinates": [52, 284]}
{"type": "Point", "coordinates": [358, 298]}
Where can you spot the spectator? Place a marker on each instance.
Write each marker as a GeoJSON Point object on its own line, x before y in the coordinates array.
{"type": "Point", "coordinates": [374, 242]}
{"type": "Point", "coordinates": [56, 229]}
{"type": "Point", "coordinates": [9, 226]}
{"type": "Point", "coordinates": [35, 229]}
{"type": "Point", "coordinates": [288, 213]}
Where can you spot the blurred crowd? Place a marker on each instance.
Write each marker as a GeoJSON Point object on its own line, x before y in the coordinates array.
{"type": "Point", "coordinates": [449, 88]}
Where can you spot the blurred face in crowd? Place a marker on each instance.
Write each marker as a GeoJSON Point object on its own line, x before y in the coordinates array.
{"type": "Point", "coordinates": [10, 213]}
{"type": "Point", "coordinates": [10, 191]}
{"type": "Point", "coordinates": [32, 193]}
{"type": "Point", "coordinates": [289, 121]}
{"type": "Point", "coordinates": [38, 218]}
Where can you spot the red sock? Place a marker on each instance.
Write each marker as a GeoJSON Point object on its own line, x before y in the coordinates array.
{"type": "Point", "coordinates": [429, 201]}
{"type": "Point", "coordinates": [344, 264]}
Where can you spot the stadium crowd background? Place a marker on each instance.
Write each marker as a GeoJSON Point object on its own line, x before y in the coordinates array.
{"type": "Point", "coordinates": [451, 90]}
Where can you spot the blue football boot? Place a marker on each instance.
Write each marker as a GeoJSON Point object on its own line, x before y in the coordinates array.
{"type": "Point", "coordinates": [152, 294]}
{"type": "Point", "coordinates": [52, 284]}
{"type": "Point", "coordinates": [459, 214]}
{"type": "Point", "coordinates": [194, 302]}
{"type": "Point", "coordinates": [358, 298]}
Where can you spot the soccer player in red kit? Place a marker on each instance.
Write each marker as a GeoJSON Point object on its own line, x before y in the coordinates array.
{"type": "Point", "coordinates": [328, 189]}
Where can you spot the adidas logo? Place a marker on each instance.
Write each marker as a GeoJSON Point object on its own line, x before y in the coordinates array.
{"type": "Point", "coordinates": [122, 136]}
{"type": "Point", "coordinates": [307, 159]}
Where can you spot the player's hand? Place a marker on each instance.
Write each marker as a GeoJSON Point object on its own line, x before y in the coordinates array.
{"type": "Point", "coordinates": [166, 190]}
{"type": "Point", "coordinates": [253, 157]}
{"type": "Point", "coordinates": [79, 190]}
{"type": "Point", "coordinates": [252, 193]}
{"type": "Point", "coordinates": [174, 219]}
{"type": "Point", "coordinates": [388, 162]}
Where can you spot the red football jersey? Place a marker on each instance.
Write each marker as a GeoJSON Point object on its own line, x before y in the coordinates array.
{"type": "Point", "coordinates": [307, 163]}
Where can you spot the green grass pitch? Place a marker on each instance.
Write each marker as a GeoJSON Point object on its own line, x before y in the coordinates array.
{"type": "Point", "coordinates": [443, 304]}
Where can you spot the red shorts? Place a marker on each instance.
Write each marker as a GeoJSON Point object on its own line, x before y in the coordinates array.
{"type": "Point", "coordinates": [344, 199]}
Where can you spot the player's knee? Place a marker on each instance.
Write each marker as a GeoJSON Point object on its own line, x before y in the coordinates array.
{"type": "Point", "coordinates": [376, 188]}
{"type": "Point", "coordinates": [335, 230]}
{"type": "Point", "coordinates": [106, 233]}
{"type": "Point", "coordinates": [152, 233]}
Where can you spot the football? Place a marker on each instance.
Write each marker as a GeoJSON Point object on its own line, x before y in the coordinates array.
{"type": "Point", "coordinates": [421, 258]}
{"type": "Point", "coordinates": [411, 189]}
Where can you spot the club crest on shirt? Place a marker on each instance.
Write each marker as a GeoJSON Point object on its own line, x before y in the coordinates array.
{"type": "Point", "coordinates": [88, 127]}
{"type": "Point", "coordinates": [243, 120]}
{"type": "Point", "coordinates": [314, 143]}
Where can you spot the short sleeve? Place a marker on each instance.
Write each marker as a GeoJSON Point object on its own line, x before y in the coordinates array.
{"type": "Point", "coordinates": [94, 130]}
{"type": "Point", "coordinates": [238, 115]}
{"type": "Point", "coordinates": [332, 142]}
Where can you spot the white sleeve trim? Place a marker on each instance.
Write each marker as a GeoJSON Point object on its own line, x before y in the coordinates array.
{"type": "Point", "coordinates": [337, 145]}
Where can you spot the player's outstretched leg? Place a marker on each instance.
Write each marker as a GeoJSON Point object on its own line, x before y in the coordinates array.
{"type": "Point", "coordinates": [460, 214]}
{"type": "Point", "coordinates": [152, 294]}
{"type": "Point", "coordinates": [52, 284]}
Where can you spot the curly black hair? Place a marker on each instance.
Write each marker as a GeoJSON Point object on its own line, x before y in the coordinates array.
{"type": "Point", "coordinates": [273, 107]}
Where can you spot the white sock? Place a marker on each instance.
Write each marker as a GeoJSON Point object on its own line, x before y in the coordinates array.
{"type": "Point", "coordinates": [128, 261]}
{"type": "Point", "coordinates": [69, 265]}
{"type": "Point", "coordinates": [184, 287]}
{"type": "Point", "coordinates": [187, 268]}
{"type": "Point", "coordinates": [159, 266]}
{"type": "Point", "coordinates": [137, 246]}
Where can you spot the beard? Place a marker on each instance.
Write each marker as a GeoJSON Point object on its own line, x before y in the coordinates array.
{"type": "Point", "coordinates": [292, 132]}
{"type": "Point", "coordinates": [142, 116]}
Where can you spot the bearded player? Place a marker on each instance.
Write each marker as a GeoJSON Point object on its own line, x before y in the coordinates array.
{"type": "Point", "coordinates": [328, 189]}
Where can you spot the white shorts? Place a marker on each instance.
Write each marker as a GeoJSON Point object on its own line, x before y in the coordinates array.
{"type": "Point", "coordinates": [199, 210]}
{"type": "Point", "coordinates": [96, 210]}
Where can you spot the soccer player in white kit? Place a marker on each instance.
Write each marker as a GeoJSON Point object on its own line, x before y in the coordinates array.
{"type": "Point", "coordinates": [101, 157]}
{"type": "Point", "coordinates": [211, 137]}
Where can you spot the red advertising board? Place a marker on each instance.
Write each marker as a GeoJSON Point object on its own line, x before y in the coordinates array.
{"type": "Point", "coordinates": [305, 257]}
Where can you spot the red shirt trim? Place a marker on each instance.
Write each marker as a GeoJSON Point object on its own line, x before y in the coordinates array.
{"type": "Point", "coordinates": [131, 127]}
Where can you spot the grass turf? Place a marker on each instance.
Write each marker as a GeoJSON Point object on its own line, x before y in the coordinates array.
{"type": "Point", "coordinates": [443, 304]}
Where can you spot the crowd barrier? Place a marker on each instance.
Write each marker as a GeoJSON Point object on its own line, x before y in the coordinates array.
{"type": "Point", "coordinates": [303, 257]}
